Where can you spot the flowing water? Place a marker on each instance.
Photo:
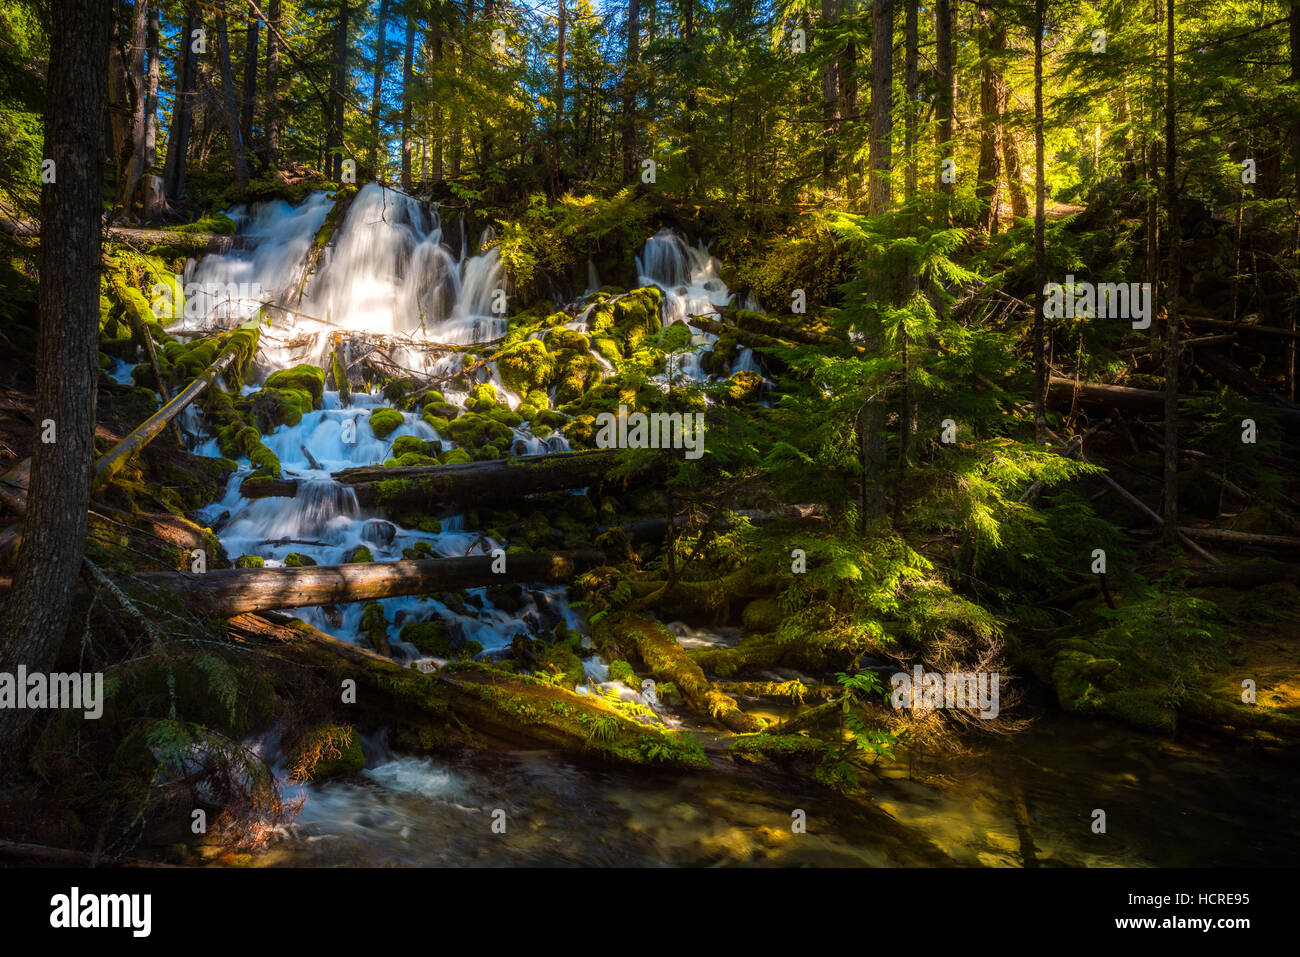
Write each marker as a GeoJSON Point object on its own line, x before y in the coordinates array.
{"type": "Point", "coordinates": [389, 273]}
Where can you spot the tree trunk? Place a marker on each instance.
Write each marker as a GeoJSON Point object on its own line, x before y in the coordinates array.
{"type": "Point", "coordinates": [250, 79]}
{"type": "Point", "coordinates": [1040, 233]}
{"type": "Point", "coordinates": [36, 611]}
{"type": "Point", "coordinates": [136, 86]}
{"type": "Point", "coordinates": [377, 89]}
{"type": "Point", "coordinates": [182, 109]}
{"type": "Point", "coordinates": [943, 97]}
{"type": "Point", "coordinates": [830, 99]}
{"type": "Point", "coordinates": [992, 41]}
{"type": "Point", "coordinates": [1171, 316]}
{"type": "Point", "coordinates": [229, 104]}
{"type": "Point", "coordinates": [273, 87]}
{"type": "Point", "coordinates": [463, 485]}
{"type": "Point", "coordinates": [882, 103]}
{"type": "Point", "coordinates": [227, 592]}
{"type": "Point", "coordinates": [334, 148]}
{"type": "Point", "coordinates": [408, 91]}
{"type": "Point", "coordinates": [629, 89]}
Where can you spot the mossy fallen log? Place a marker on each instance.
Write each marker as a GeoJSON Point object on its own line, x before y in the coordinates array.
{"type": "Point", "coordinates": [228, 592]}
{"type": "Point", "coordinates": [654, 647]}
{"type": "Point", "coordinates": [461, 485]}
{"type": "Point", "coordinates": [475, 704]}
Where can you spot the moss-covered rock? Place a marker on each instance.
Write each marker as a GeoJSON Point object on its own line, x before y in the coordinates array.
{"type": "Point", "coordinates": [303, 378]}
{"type": "Point", "coordinates": [297, 560]}
{"type": "Point", "coordinates": [250, 561]}
{"type": "Point", "coordinates": [384, 421]}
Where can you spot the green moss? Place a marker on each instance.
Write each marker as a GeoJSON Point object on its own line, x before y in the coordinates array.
{"type": "Point", "coordinates": [384, 421]}
{"type": "Point", "coordinates": [361, 555]}
{"type": "Point", "coordinates": [455, 457]}
{"type": "Point", "coordinates": [526, 366]}
{"type": "Point", "coordinates": [375, 627]}
{"type": "Point", "coordinates": [327, 751]}
{"type": "Point", "coordinates": [296, 560]}
{"type": "Point", "coordinates": [433, 638]}
{"type": "Point", "coordinates": [250, 561]}
{"type": "Point", "coordinates": [620, 670]}
{"type": "Point", "coordinates": [304, 378]}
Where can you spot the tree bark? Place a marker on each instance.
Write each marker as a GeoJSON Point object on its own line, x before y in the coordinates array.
{"type": "Point", "coordinates": [182, 108]}
{"type": "Point", "coordinates": [238, 156]}
{"type": "Point", "coordinates": [992, 41]}
{"type": "Point", "coordinates": [273, 87]}
{"type": "Point", "coordinates": [882, 103]}
{"type": "Point", "coordinates": [227, 592]}
{"type": "Point", "coordinates": [1172, 344]}
{"type": "Point", "coordinates": [461, 486]}
{"type": "Point", "coordinates": [630, 63]}
{"type": "Point", "coordinates": [377, 88]}
{"type": "Point", "coordinates": [136, 85]}
{"type": "Point", "coordinates": [250, 79]}
{"type": "Point", "coordinates": [830, 98]}
{"type": "Point", "coordinates": [408, 91]}
{"type": "Point", "coordinates": [1040, 232]}
{"type": "Point", "coordinates": [36, 611]}
{"type": "Point", "coordinates": [943, 98]}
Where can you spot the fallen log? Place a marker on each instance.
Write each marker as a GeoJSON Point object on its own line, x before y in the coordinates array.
{"type": "Point", "coordinates": [1242, 326]}
{"type": "Point", "coordinates": [458, 486]}
{"type": "Point", "coordinates": [1152, 401]}
{"type": "Point", "coordinates": [1111, 396]}
{"type": "Point", "coordinates": [227, 592]}
{"type": "Point", "coordinates": [475, 703]}
{"type": "Point", "coordinates": [190, 242]}
{"type": "Point", "coordinates": [1244, 576]}
{"type": "Point", "coordinates": [657, 650]}
{"type": "Point", "coordinates": [1224, 536]}
{"type": "Point", "coordinates": [1137, 503]}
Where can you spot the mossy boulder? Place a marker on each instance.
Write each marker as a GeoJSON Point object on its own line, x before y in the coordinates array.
{"type": "Point", "coordinates": [304, 378]}
{"type": "Point", "coordinates": [384, 421]}
{"type": "Point", "coordinates": [526, 366]}
{"type": "Point", "coordinates": [360, 555]}
{"type": "Point", "coordinates": [434, 638]}
{"type": "Point", "coordinates": [250, 561]}
{"type": "Point", "coordinates": [297, 560]}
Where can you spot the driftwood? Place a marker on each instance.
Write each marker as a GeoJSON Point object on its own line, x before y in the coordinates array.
{"type": "Point", "coordinates": [459, 486]}
{"type": "Point", "coordinates": [227, 592]}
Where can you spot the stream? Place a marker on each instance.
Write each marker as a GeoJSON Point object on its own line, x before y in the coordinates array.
{"type": "Point", "coordinates": [390, 273]}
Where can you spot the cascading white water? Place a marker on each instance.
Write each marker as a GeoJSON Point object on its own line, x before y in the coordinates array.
{"type": "Point", "coordinates": [388, 273]}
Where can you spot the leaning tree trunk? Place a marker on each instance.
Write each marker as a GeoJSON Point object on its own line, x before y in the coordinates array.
{"type": "Point", "coordinates": [36, 613]}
